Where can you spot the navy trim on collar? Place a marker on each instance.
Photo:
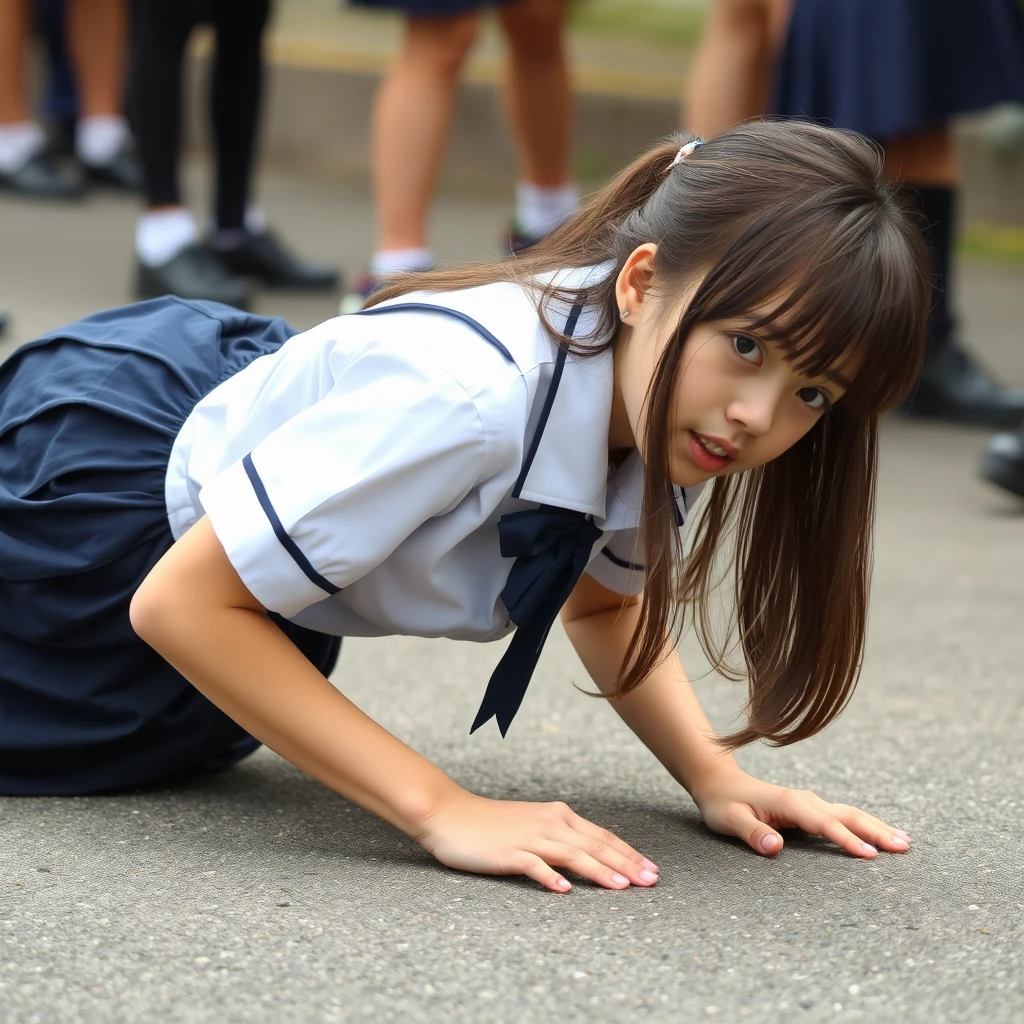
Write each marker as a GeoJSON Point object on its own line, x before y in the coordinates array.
{"type": "Point", "coordinates": [455, 314]}
{"type": "Point", "coordinates": [549, 400]}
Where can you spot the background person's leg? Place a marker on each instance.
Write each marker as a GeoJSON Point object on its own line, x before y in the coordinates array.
{"type": "Point", "coordinates": [97, 40]}
{"type": "Point", "coordinates": [732, 70]}
{"type": "Point", "coordinates": [240, 236]}
{"type": "Point", "coordinates": [538, 101]}
{"type": "Point", "coordinates": [170, 258]}
{"type": "Point", "coordinates": [24, 165]}
{"type": "Point", "coordinates": [411, 118]}
{"type": "Point", "coordinates": [953, 386]}
{"type": "Point", "coordinates": [60, 105]}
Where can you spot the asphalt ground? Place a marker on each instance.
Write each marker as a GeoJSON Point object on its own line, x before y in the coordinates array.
{"type": "Point", "coordinates": [257, 895]}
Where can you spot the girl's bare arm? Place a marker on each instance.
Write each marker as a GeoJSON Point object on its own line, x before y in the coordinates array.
{"type": "Point", "coordinates": [195, 611]}
{"type": "Point", "coordinates": [665, 714]}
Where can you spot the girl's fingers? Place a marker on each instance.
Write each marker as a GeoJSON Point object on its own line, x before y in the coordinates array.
{"type": "Point", "coordinates": [574, 859]}
{"type": "Point", "coordinates": [831, 828]}
{"type": "Point", "coordinates": [873, 830]}
{"type": "Point", "coordinates": [592, 831]}
{"type": "Point", "coordinates": [744, 824]}
{"type": "Point", "coordinates": [535, 867]}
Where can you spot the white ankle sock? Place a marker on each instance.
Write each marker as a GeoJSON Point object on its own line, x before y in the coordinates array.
{"type": "Point", "coordinates": [19, 142]}
{"type": "Point", "coordinates": [160, 236]}
{"type": "Point", "coordinates": [100, 138]}
{"type": "Point", "coordinates": [540, 210]}
{"type": "Point", "coordinates": [395, 261]}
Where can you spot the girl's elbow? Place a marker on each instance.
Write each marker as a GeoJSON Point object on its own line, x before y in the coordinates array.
{"type": "Point", "coordinates": [147, 611]}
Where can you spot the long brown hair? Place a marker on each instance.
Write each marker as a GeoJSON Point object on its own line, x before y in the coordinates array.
{"type": "Point", "coordinates": [767, 210]}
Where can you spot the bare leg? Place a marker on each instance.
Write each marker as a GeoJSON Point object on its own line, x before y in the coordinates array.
{"type": "Point", "coordinates": [96, 42]}
{"type": "Point", "coordinates": [733, 67]}
{"type": "Point", "coordinates": [411, 118]}
{"type": "Point", "coordinates": [13, 41]}
{"type": "Point", "coordinates": [923, 158]}
{"type": "Point", "coordinates": [538, 97]}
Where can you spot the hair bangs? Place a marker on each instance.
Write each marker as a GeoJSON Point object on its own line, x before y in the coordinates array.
{"type": "Point", "coordinates": [841, 292]}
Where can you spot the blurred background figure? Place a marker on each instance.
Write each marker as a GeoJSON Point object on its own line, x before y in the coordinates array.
{"type": "Point", "coordinates": [95, 34]}
{"type": "Point", "coordinates": [172, 258]}
{"type": "Point", "coordinates": [413, 113]}
{"type": "Point", "coordinates": [734, 67]}
{"type": "Point", "coordinates": [897, 70]}
{"type": "Point", "coordinates": [1003, 462]}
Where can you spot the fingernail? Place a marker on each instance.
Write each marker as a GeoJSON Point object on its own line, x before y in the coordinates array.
{"type": "Point", "coordinates": [899, 841]}
{"type": "Point", "coordinates": [868, 848]}
{"type": "Point", "coordinates": [902, 834]}
{"type": "Point", "coordinates": [649, 864]}
{"type": "Point", "coordinates": [563, 884]}
{"type": "Point", "coordinates": [648, 876]}
{"type": "Point", "coordinates": [769, 843]}
{"type": "Point", "coordinates": [620, 879]}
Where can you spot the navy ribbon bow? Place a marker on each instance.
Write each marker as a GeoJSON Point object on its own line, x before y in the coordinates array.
{"type": "Point", "coordinates": [551, 547]}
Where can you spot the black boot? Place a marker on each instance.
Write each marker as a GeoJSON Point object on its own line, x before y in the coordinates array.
{"type": "Point", "coordinates": [1003, 462]}
{"type": "Point", "coordinates": [954, 386]}
{"type": "Point", "coordinates": [264, 256]}
{"type": "Point", "coordinates": [195, 273]}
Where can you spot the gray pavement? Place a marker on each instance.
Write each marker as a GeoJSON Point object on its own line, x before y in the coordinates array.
{"type": "Point", "coordinates": [260, 896]}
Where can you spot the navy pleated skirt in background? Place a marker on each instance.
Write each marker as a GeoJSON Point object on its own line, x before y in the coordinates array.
{"type": "Point", "coordinates": [889, 67]}
{"type": "Point", "coordinates": [88, 415]}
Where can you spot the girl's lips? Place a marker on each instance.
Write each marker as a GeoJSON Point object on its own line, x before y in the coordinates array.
{"type": "Point", "coordinates": [702, 457]}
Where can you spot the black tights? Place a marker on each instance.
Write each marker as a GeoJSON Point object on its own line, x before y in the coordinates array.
{"type": "Point", "coordinates": [162, 28]}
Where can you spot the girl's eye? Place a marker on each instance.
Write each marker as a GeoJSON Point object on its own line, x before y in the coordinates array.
{"type": "Point", "coordinates": [747, 348]}
{"type": "Point", "coordinates": [815, 398]}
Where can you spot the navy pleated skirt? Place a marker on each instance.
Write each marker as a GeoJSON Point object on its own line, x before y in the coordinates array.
{"type": "Point", "coordinates": [889, 67]}
{"type": "Point", "coordinates": [88, 415]}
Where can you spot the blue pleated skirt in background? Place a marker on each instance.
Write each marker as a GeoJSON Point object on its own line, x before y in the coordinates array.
{"type": "Point", "coordinates": [88, 415]}
{"type": "Point", "coordinates": [891, 67]}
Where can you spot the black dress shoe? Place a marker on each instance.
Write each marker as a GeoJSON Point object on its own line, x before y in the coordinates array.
{"type": "Point", "coordinates": [124, 172]}
{"type": "Point", "coordinates": [1003, 462]}
{"type": "Point", "coordinates": [46, 177]}
{"type": "Point", "coordinates": [264, 256]}
{"type": "Point", "coordinates": [195, 273]}
{"type": "Point", "coordinates": [956, 388]}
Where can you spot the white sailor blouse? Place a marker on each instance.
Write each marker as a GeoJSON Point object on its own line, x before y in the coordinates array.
{"type": "Point", "coordinates": [398, 471]}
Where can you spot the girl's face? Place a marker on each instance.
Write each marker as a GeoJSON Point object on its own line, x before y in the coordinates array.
{"type": "Point", "coordinates": [737, 402]}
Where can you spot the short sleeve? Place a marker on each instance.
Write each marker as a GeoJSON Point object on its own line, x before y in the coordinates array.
{"type": "Point", "coordinates": [619, 564]}
{"type": "Point", "coordinates": [332, 492]}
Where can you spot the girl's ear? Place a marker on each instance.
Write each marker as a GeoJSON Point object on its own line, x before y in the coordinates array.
{"type": "Point", "coordinates": [633, 285]}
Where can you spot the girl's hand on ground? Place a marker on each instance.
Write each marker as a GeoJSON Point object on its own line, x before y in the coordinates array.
{"type": "Point", "coordinates": [737, 804]}
{"type": "Point", "coordinates": [505, 837]}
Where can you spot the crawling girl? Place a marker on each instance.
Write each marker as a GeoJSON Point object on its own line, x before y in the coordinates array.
{"type": "Point", "coordinates": [196, 506]}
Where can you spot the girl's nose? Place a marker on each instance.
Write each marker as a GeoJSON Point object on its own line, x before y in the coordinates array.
{"type": "Point", "coordinates": [753, 413]}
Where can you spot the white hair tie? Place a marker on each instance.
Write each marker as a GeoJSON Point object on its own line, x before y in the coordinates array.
{"type": "Point", "coordinates": [685, 151]}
